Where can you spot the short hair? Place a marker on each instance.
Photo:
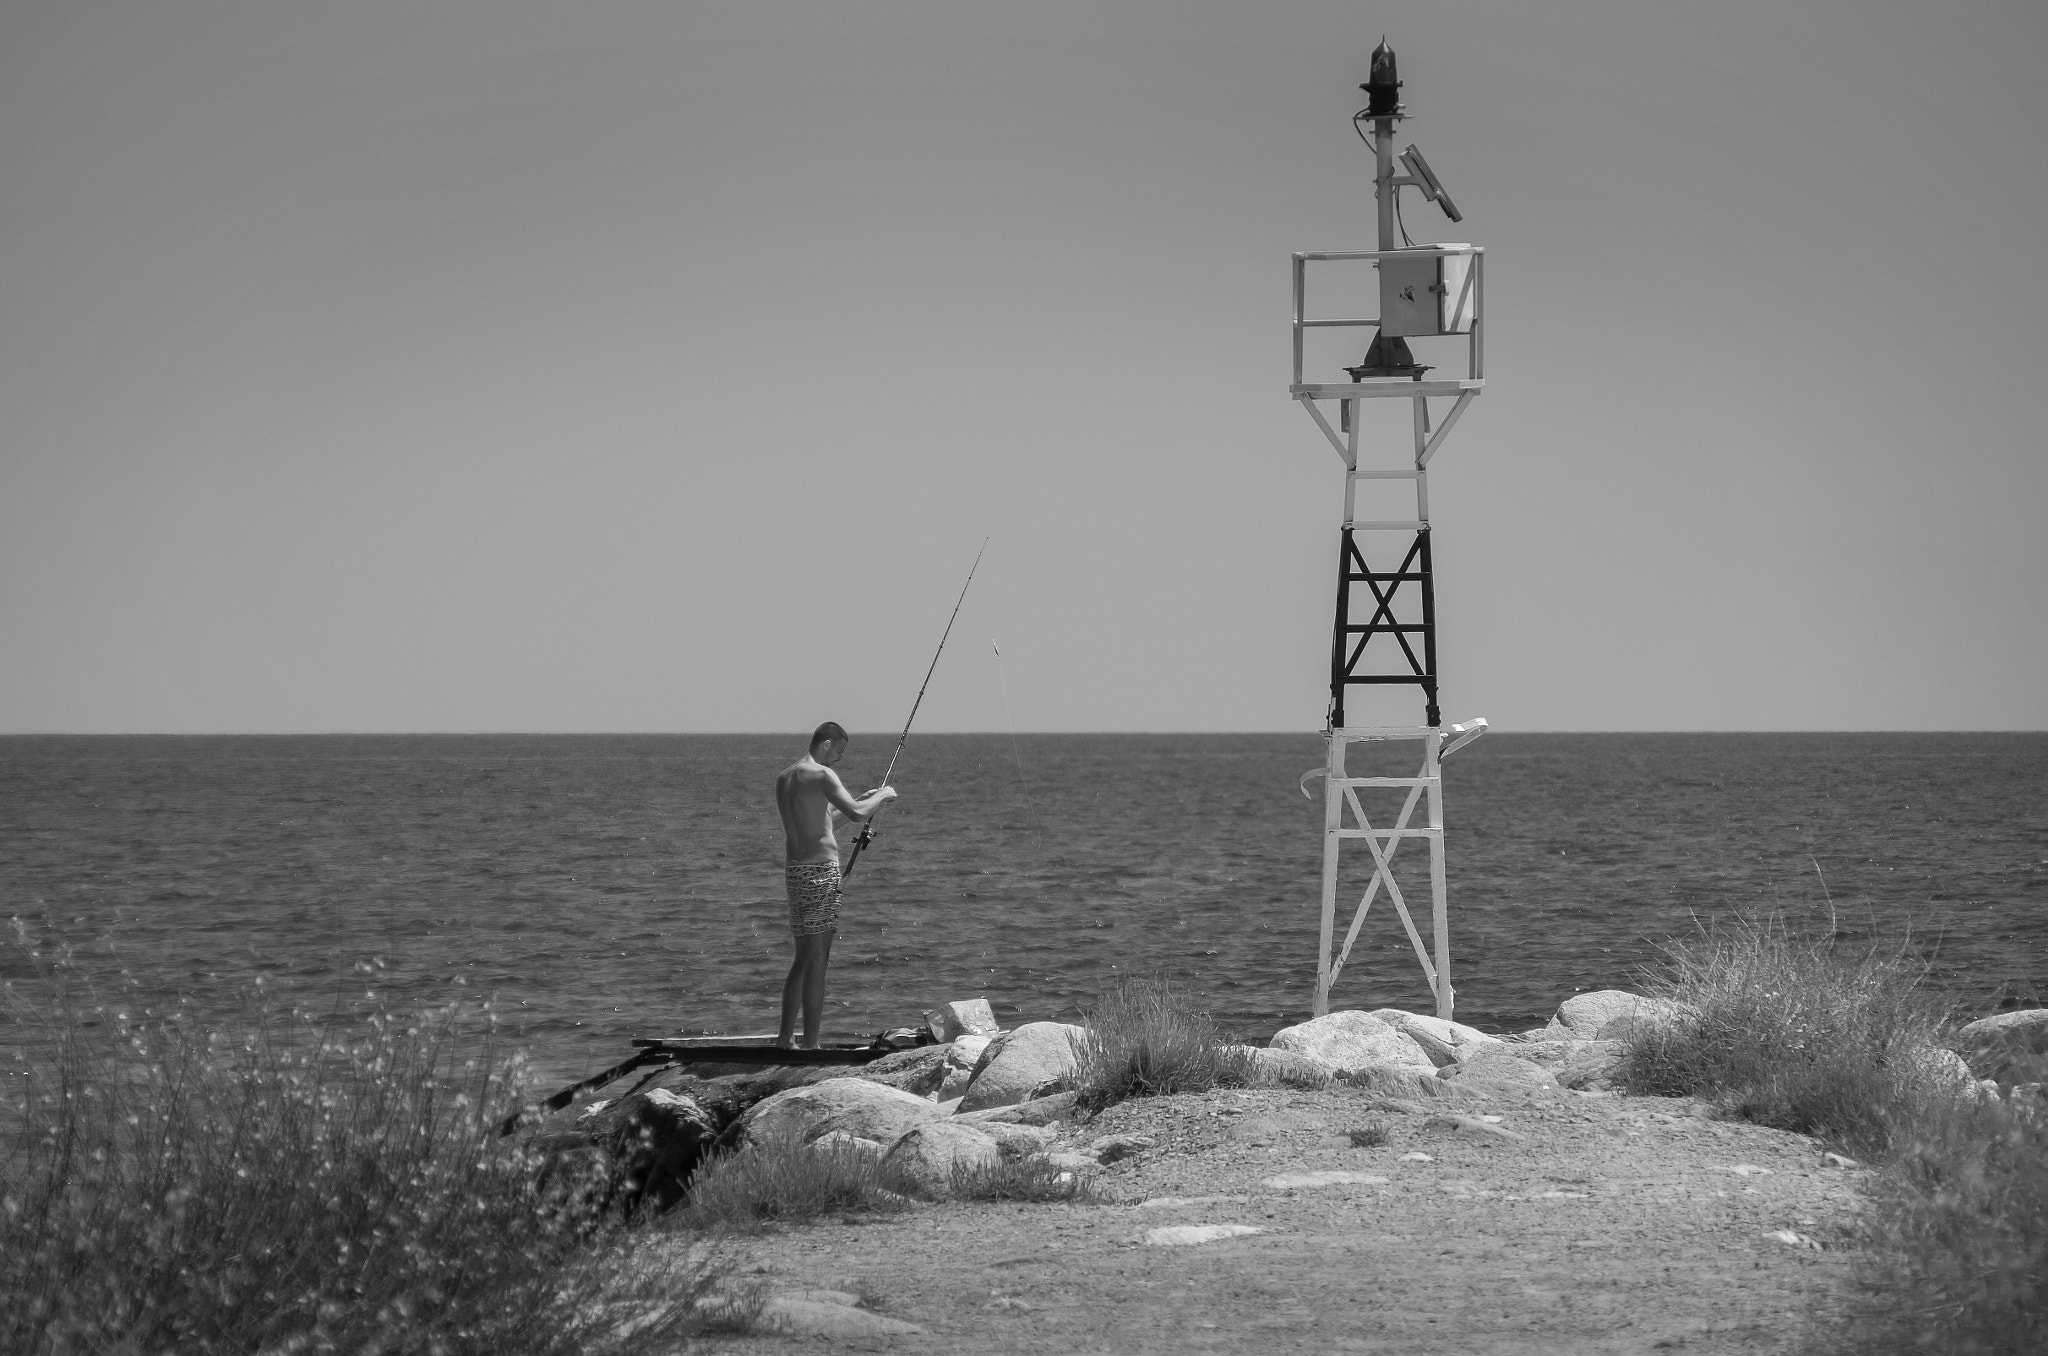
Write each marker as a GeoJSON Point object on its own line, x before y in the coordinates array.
{"type": "Point", "coordinates": [831, 730]}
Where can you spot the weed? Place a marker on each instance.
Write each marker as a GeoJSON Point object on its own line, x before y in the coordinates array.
{"type": "Point", "coordinates": [1960, 1234]}
{"type": "Point", "coordinates": [277, 1184]}
{"type": "Point", "coordinates": [1020, 1179]}
{"type": "Point", "coordinates": [1799, 1034]}
{"type": "Point", "coordinates": [1143, 1041]}
{"type": "Point", "coordinates": [779, 1178]}
{"type": "Point", "coordinates": [1791, 1032]}
{"type": "Point", "coordinates": [1371, 1135]}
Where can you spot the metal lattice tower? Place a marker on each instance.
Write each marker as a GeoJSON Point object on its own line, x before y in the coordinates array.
{"type": "Point", "coordinates": [1385, 631]}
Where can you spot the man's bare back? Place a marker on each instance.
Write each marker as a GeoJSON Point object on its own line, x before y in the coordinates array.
{"type": "Point", "coordinates": [808, 792]}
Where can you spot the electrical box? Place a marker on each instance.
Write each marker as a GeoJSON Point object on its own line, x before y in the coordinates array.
{"type": "Point", "coordinates": [1427, 293]}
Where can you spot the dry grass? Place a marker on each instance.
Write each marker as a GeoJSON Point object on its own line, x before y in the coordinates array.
{"type": "Point", "coordinates": [1798, 1033]}
{"type": "Point", "coordinates": [1144, 1041]}
{"type": "Point", "coordinates": [1792, 1032]}
{"type": "Point", "coordinates": [1959, 1256]}
{"type": "Point", "coordinates": [1021, 1179]}
{"type": "Point", "coordinates": [281, 1185]}
{"type": "Point", "coordinates": [781, 1179]}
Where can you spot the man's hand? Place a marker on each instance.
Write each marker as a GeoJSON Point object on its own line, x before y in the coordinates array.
{"type": "Point", "coordinates": [887, 793]}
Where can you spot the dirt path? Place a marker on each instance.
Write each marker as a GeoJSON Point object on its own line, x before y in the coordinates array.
{"type": "Point", "coordinates": [1616, 1225]}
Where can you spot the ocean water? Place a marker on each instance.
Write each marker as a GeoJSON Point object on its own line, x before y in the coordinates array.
{"type": "Point", "coordinates": [596, 888]}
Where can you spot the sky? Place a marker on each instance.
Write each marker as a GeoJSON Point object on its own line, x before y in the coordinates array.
{"type": "Point", "coordinates": [509, 366]}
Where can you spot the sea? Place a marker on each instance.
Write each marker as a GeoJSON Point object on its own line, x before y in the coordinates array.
{"type": "Point", "coordinates": [585, 890]}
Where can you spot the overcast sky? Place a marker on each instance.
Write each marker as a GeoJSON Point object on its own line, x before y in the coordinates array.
{"type": "Point", "coordinates": [520, 366]}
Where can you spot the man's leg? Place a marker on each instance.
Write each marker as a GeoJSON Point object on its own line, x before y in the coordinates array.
{"type": "Point", "coordinates": [814, 989]}
{"type": "Point", "coordinates": [805, 988]}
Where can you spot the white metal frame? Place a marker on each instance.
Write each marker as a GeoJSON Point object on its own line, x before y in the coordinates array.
{"type": "Point", "coordinates": [1344, 816]}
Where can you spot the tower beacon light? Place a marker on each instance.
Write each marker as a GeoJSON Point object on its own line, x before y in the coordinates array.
{"type": "Point", "coordinates": [1384, 642]}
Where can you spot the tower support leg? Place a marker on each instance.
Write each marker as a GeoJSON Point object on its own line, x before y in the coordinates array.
{"type": "Point", "coordinates": [1344, 817]}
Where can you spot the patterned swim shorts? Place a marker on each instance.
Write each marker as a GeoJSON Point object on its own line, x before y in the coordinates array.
{"type": "Point", "coordinates": [813, 897]}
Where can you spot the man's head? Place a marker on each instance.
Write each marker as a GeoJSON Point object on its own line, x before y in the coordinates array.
{"type": "Point", "coordinates": [828, 742]}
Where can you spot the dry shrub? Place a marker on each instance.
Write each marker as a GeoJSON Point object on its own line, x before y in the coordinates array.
{"type": "Point", "coordinates": [1143, 1041]}
{"type": "Point", "coordinates": [779, 1178]}
{"type": "Point", "coordinates": [1797, 1033]}
{"type": "Point", "coordinates": [1959, 1261]}
{"type": "Point", "coordinates": [280, 1184]}
{"type": "Point", "coordinates": [1020, 1179]}
{"type": "Point", "coordinates": [1804, 1035]}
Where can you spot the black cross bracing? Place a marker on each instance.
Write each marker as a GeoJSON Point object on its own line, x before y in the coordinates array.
{"type": "Point", "coordinates": [1351, 639]}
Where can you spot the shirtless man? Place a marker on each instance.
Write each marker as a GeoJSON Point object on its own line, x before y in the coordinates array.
{"type": "Point", "coordinates": [809, 793]}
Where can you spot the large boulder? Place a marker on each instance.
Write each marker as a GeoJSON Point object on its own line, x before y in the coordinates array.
{"type": "Point", "coordinates": [1352, 1040]}
{"type": "Point", "coordinates": [925, 1160]}
{"type": "Point", "coordinates": [1405, 1082]}
{"type": "Point", "coordinates": [655, 1140]}
{"type": "Point", "coordinates": [1445, 1041]}
{"type": "Point", "coordinates": [1039, 1111]}
{"type": "Point", "coordinates": [1584, 1014]}
{"type": "Point", "coordinates": [1591, 1064]}
{"type": "Point", "coordinates": [1035, 1060]}
{"type": "Point", "coordinates": [2011, 1047]}
{"type": "Point", "coordinates": [920, 1071]}
{"type": "Point", "coordinates": [868, 1110]}
{"type": "Point", "coordinates": [963, 1056]}
{"type": "Point", "coordinates": [1490, 1069]}
{"type": "Point", "coordinates": [1283, 1069]}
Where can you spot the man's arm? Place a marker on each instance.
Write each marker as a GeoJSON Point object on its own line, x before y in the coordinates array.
{"type": "Point", "coordinates": [837, 796]}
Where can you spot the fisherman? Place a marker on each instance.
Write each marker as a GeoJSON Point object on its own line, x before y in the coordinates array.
{"type": "Point", "coordinates": [809, 793]}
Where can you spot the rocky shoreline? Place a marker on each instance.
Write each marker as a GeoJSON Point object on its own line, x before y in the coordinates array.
{"type": "Point", "coordinates": [1362, 1139]}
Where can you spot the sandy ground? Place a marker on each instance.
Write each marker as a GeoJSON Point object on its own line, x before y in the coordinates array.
{"type": "Point", "coordinates": [1617, 1224]}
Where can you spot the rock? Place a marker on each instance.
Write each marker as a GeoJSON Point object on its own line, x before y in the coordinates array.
{"type": "Point", "coordinates": [1068, 1162]}
{"type": "Point", "coordinates": [1290, 1181]}
{"type": "Point", "coordinates": [971, 1017]}
{"type": "Point", "coordinates": [1444, 1040]}
{"type": "Point", "coordinates": [1043, 1111]}
{"type": "Point", "coordinates": [1635, 1027]}
{"type": "Point", "coordinates": [1184, 1235]}
{"type": "Point", "coordinates": [655, 1140]}
{"type": "Point", "coordinates": [1497, 1070]}
{"type": "Point", "coordinates": [1473, 1126]}
{"type": "Point", "coordinates": [2011, 1047]}
{"type": "Point", "coordinates": [1352, 1040]}
{"type": "Point", "coordinates": [961, 1058]}
{"type": "Point", "coordinates": [1404, 1081]}
{"type": "Point", "coordinates": [869, 1110]}
{"type": "Point", "coordinates": [1112, 1148]}
{"type": "Point", "coordinates": [920, 1071]}
{"type": "Point", "coordinates": [826, 1314]}
{"type": "Point", "coordinates": [1584, 1014]}
{"type": "Point", "coordinates": [1016, 1141]}
{"type": "Point", "coordinates": [1942, 1067]}
{"type": "Point", "coordinates": [1549, 1048]}
{"type": "Point", "coordinates": [1283, 1069]}
{"type": "Point", "coordinates": [1035, 1060]}
{"type": "Point", "coordinates": [848, 1143]}
{"type": "Point", "coordinates": [925, 1159]}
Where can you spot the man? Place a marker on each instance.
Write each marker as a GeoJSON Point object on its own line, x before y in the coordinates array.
{"type": "Point", "coordinates": [809, 793]}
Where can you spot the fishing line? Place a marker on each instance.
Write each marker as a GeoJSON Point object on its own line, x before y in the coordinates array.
{"type": "Point", "coordinates": [1023, 788]}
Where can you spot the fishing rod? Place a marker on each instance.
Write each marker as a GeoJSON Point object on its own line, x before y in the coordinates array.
{"type": "Point", "coordinates": [867, 828]}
